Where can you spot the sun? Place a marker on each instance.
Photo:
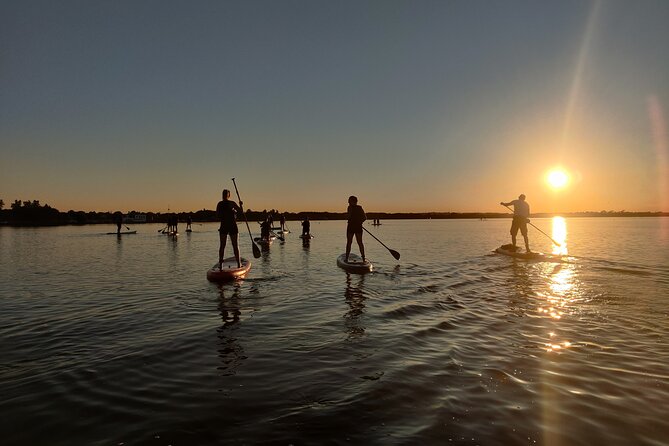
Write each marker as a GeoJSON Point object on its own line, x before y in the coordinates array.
{"type": "Point", "coordinates": [557, 179]}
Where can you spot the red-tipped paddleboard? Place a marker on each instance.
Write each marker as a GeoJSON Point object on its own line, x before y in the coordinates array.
{"type": "Point", "coordinates": [229, 270]}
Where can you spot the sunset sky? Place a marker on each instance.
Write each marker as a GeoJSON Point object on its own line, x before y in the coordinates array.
{"type": "Point", "coordinates": [410, 105]}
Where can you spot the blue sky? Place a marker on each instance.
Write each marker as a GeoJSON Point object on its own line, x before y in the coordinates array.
{"type": "Point", "coordinates": [411, 105]}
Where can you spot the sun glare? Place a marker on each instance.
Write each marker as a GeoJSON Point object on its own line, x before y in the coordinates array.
{"type": "Point", "coordinates": [557, 178]}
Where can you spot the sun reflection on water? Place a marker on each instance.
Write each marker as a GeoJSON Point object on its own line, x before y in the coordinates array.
{"type": "Point", "coordinates": [560, 297]}
{"type": "Point", "coordinates": [560, 236]}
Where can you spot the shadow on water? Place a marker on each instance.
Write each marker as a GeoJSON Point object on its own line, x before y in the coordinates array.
{"type": "Point", "coordinates": [230, 350]}
{"type": "Point", "coordinates": [355, 299]}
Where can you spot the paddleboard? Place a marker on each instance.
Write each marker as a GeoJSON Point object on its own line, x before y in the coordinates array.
{"type": "Point", "coordinates": [354, 264]}
{"type": "Point", "coordinates": [262, 241]}
{"type": "Point", "coordinates": [122, 233]}
{"type": "Point", "coordinates": [538, 256]}
{"type": "Point", "coordinates": [174, 233]}
{"type": "Point", "coordinates": [189, 230]}
{"type": "Point", "coordinates": [229, 270]}
{"type": "Point", "coordinates": [306, 236]}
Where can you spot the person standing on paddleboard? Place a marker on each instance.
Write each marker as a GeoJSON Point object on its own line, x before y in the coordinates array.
{"type": "Point", "coordinates": [306, 226]}
{"type": "Point", "coordinates": [118, 219]}
{"type": "Point", "coordinates": [521, 216]}
{"type": "Point", "coordinates": [227, 211]}
{"type": "Point", "coordinates": [266, 229]}
{"type": "Point", "coordinates": [356, 216]}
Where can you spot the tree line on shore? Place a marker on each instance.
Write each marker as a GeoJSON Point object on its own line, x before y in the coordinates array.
{"type": "Point", "coordinates": [32, 213]}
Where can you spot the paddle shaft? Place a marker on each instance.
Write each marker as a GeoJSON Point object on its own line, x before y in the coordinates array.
{"type": "Point", "coordinates": [556, 243]}
{"type": "Point", "coordinates": [392, 251]}
{"type": "Point", "coordinates": [256, 250]}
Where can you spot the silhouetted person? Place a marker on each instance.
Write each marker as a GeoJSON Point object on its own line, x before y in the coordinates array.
{"type": "Point", "coordinates": [118, 219]}
{"type": "Point", "coordinates": [170, 224]}
{"type": "Point", "coordinates": [175, 223]}
{"type": "Point", "coordinates": [306, 226]}
{"type": "Point", "coordinates": [521, 216]}
{"type": "Point", "coordinates": [265, 229]}
{"type": "Point", "coordinates": [227, 211]}
{"type": "Point", "coordinates": [282, 220]}
{"type": "Point", "coordinates": [356, 216]}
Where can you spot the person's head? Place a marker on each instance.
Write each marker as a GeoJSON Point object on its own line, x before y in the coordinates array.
{"type": "Point", "coordinates": [521, 197]}
{"type": "Point", "coordinates": [226, 194]}
{"type": "Point", "coordinates": [352, 200]}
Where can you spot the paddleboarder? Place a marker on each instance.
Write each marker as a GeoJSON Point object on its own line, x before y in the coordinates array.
{"type": "Point", "coordinates": [265, 229]}
{"type": "Point", "coordinates": [227, 211]}
{"type": "Point", "coordinates": [189, 222]}
{"type": "Point", "coordinates": [282, 220]}
{"type": "Point", "coordinates": [306, 226]}
{"type": "Point", "coordinates": [356, 216]}
{"type": "Point", "coordinates": [175, 223]}
{"type": "Point", "coordinates": [118, 219]}
{"type": "Point", "coordinates": [521, 216]}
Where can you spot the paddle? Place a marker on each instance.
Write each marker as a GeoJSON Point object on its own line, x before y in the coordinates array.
{"type": "Point", "coordinates": [556, 243]}
{"type": "Point", "coordinates": [392, 251]}
{"type": "Point", "coordinates": [280, 237]}
{"type": "Point", "coordinates": [256, 250]}
{"type": "Point", "coordinates": [162, 230]}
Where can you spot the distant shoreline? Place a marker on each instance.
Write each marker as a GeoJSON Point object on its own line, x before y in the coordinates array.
{"type": "Point", "coordinates": [78, 218]}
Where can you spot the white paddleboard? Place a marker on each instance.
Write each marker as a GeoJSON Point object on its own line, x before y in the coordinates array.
{"type": "Point", "coordinates": [354, 264]}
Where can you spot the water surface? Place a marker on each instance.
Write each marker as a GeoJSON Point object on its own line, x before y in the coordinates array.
{"type": "Point", "coordinates": [107, 340]}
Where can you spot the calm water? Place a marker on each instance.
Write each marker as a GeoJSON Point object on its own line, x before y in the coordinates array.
{"type": "Point", "coordinates": [108, 341]}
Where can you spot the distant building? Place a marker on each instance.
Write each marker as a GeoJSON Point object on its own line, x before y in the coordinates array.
{"type": "Point", "coordinates": [135, 218]}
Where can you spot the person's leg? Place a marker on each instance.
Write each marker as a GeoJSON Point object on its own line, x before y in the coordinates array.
{"type": "Point", "coordinates": [514, 232]}
{"type": "Point", "coordinates": [235, 248]}
{"type": "Point", "coordinates": [349, 241]}
{"type": "Point", "coordinates": [358, 238]}
{"type": "Point", "coordinates": [523, 231]}
{"type": "Point", "coordinates": [221, 250]}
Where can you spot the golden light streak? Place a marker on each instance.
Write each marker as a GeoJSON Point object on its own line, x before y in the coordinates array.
{"type": "Point", "coordinates": [560, 235]}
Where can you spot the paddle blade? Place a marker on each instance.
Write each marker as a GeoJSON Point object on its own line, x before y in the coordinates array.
{"type": "Point", "coordinates": [256, 250]}
{"type": "Point", "coordinates": [395, 254]}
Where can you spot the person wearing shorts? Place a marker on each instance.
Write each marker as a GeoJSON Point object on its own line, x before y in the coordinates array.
{"type": "Point", "coordinates": [521, 216]}
{"type": "Point", "coordinates": [227, 211]}
{"type": "Point", "coordinates": [356, 216]}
